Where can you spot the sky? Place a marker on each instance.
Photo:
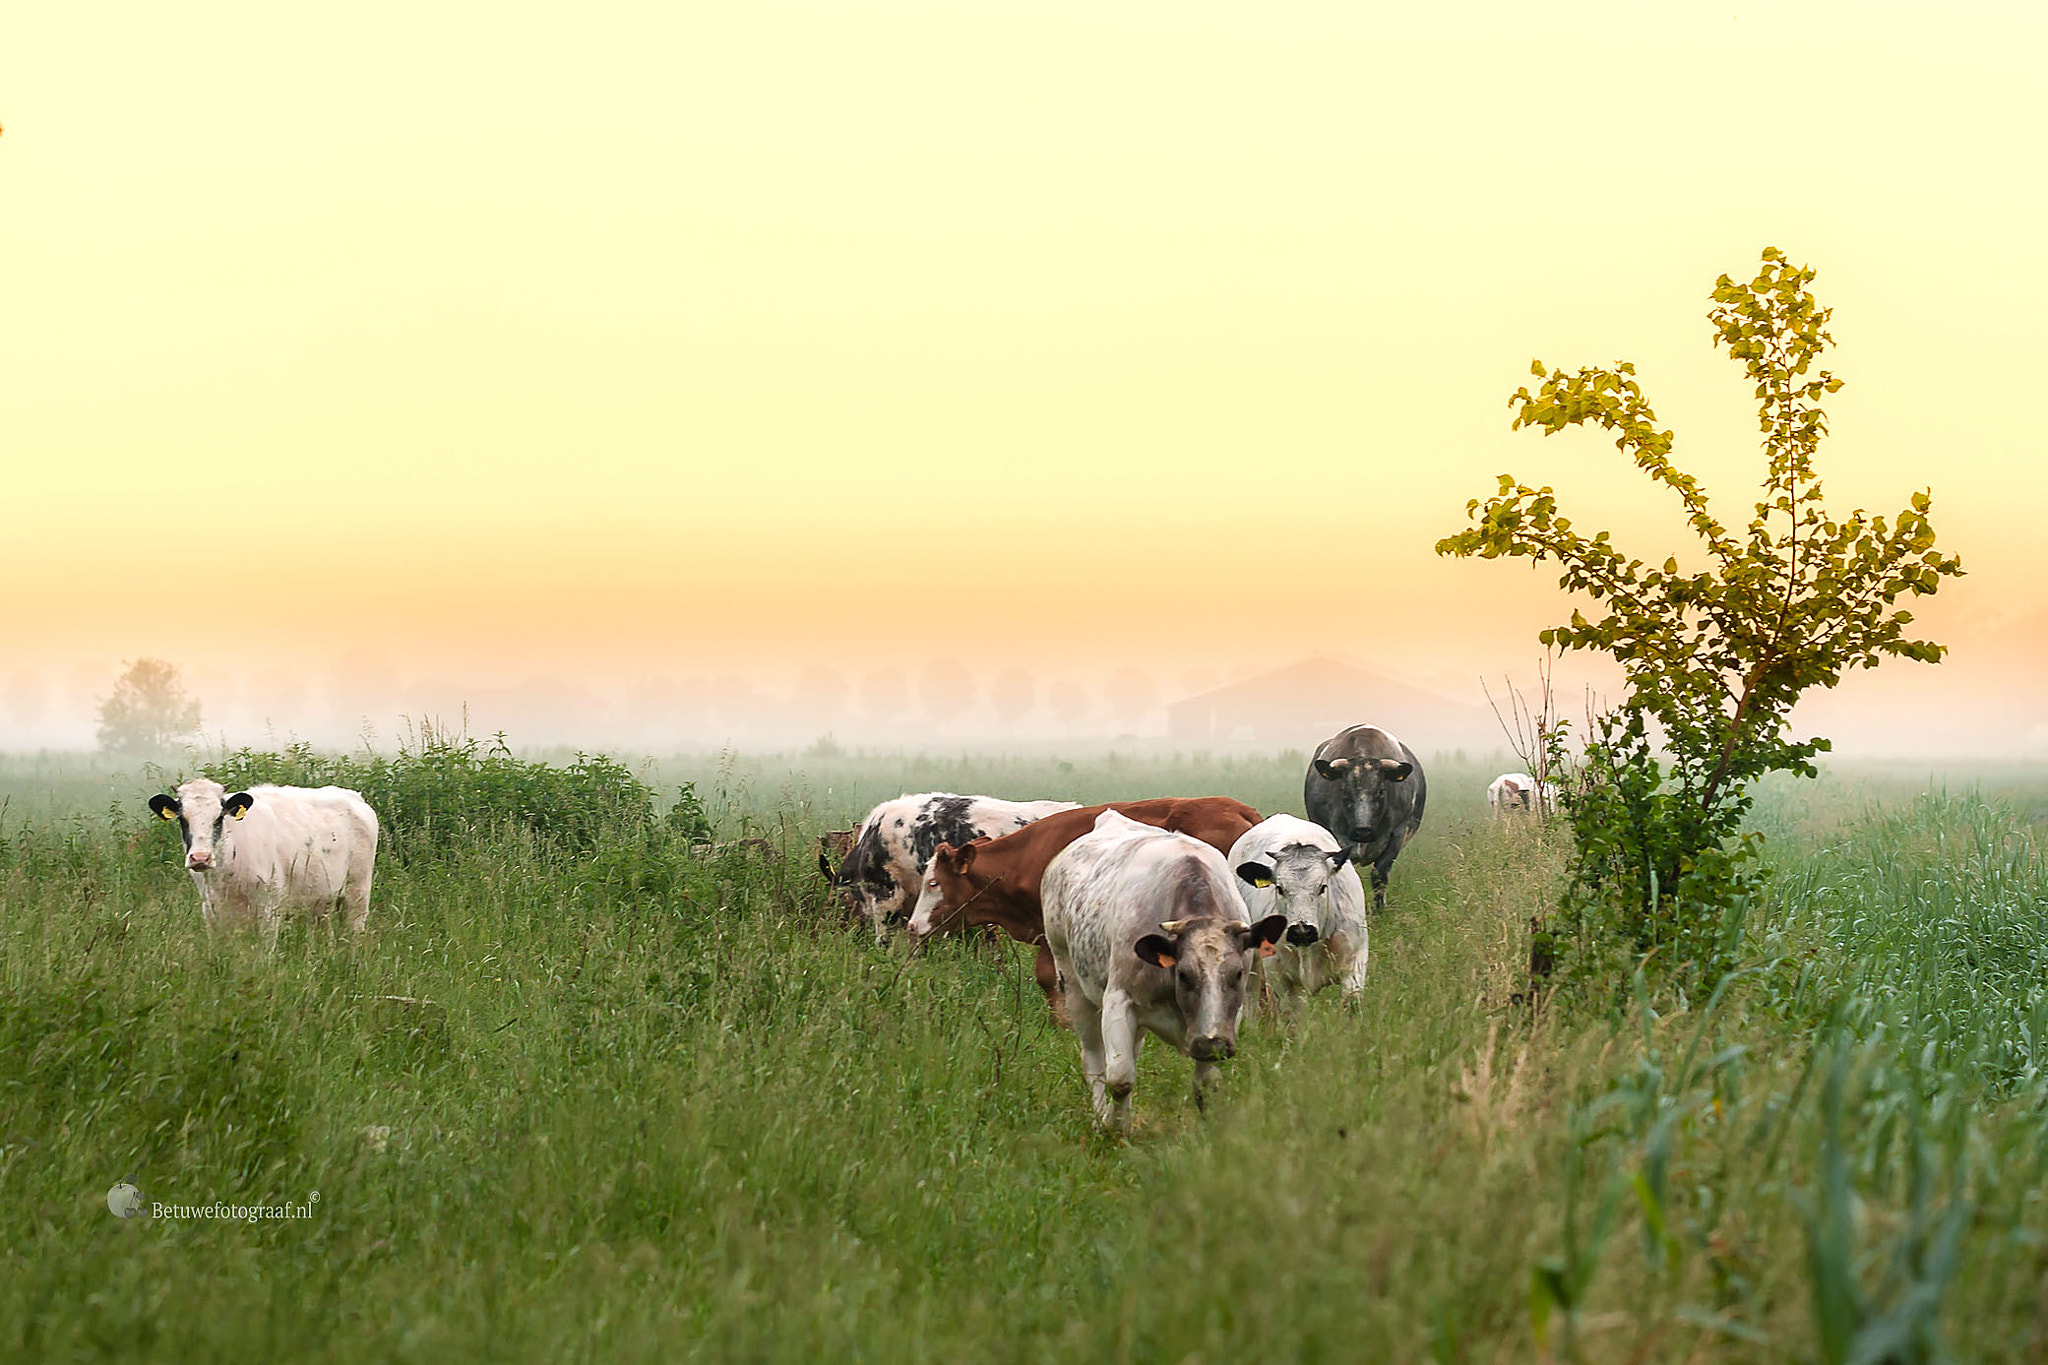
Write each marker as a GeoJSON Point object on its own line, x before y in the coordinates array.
{"type": "Point", "coordinates": [598, 363]}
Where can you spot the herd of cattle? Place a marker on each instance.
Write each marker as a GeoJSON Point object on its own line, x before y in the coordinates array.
{"type": "Point", "coordinates": [1149, 916]}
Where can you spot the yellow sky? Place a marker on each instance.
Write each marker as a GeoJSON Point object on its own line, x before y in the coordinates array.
{"type": "Point", "coordinates": [613, 340]}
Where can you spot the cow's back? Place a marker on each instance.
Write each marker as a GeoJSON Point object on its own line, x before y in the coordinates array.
{"type": "Point", "coordinates": [301, 843]}
{"type": "Point", "coordinates": [1021, 859]}
{"type": "Point", "coordinates": [1113, 885]}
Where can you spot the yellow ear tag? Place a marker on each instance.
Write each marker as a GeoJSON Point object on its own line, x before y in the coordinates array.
{"type": "Point", "coordinates": [1262, 882]}
{"type": "Point", "coordinates": [167, 814]}
{"type": "Point", "coordinates": [242, 812]}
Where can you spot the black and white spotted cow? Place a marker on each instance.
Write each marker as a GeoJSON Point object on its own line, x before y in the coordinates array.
{"type": "Point", "coordinates": [885, 867]}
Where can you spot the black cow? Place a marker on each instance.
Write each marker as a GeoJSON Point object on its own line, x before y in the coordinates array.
{"type": "Point", "coordinates": [1367, 788]}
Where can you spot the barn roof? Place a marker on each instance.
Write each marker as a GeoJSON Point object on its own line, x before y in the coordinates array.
{"type": "Point", "coordinates": [1301, 704]}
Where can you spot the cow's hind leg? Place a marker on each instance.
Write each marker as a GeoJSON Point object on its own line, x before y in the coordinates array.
{"type": "Point", "coordinates": [355, 900]}
{"type": "Point", "coordinates": [1047, 974]}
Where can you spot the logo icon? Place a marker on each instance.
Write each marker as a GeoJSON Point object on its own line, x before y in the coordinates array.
{"type": "Point", "coordinates": [124, 1200]}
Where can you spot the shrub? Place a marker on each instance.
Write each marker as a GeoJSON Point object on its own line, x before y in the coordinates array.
{"type": "Point", "coordinates": [440, 790]}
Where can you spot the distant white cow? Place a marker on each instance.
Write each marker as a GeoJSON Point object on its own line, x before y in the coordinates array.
{"type": "Point", "coordinates": [1148, 935]}
{"type": "Point", "coordinates": [1296, 868]}
{"type": "Point", "coordinates": [257, 853]}
{"type": "Point", "coordinates": [885, 868]}
{"type": "Point", "coordinates": [1510, 792]}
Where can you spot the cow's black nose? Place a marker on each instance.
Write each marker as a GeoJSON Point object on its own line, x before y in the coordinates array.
{"type": "Point", "coordinates": [1301, 935]}
{"type": "Point", "coordinates": [1363, 832]}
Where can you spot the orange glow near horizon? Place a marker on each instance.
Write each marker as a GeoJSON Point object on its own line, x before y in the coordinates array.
{"type": "Point", "coordinates": [661, 342]}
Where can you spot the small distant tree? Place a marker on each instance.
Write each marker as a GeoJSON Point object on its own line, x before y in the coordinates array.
{"type": "Point", "coordinates": [1013, 694]}
{"type": "Point", "coordinates": [1714, 658]}
{"type": "Point", "coordinates": [884, 694]}
{"type": "Point", "coordinates": [1068, 700]}
{"type": "Point", "coordinates": [946, 689]}
{"type": "Point", "coordinates": [147, 710]}
{"type": "Point", "coordinates": [821, 691]}
{"type": "Point", "coordinates": [1130, 693]}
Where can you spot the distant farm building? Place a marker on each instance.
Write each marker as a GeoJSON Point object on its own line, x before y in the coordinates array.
{"type": "Point", "coordinates": [1301, 705]}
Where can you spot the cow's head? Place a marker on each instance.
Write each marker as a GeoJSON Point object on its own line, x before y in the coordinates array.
{"type": "Point", "coordinates": [1298, 876]}
{"type": "Point", "coordinates": [835, 852]}
{"type": "Point", "coordinates": [202, 809]}
{"type": "Point", "coordinates": [950, 886]}
{"type": "Point", "coordinates": [1366, 787]}
{"type": "Point", "coordinates": [1206, 959]}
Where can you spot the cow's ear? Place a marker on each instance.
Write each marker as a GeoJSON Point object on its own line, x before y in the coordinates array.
{"type": "Point", "coordinates": [1337, 859]}
{"type": "Point", "coordinates": [238, 804]}
{"type": "Point", "coordinates": [1255, 874]}
{"type": "Point", "coordinates": [1396, 769]}
{"type": "Point", "coordinates": [1157, 949]}
{"type": "Point", "coordinates": [1266, 933]}
{"type": "Point", "coordinates": [824, 867]}
{"type": "Point", "coordinates": [1333, 768]}
{"type": "Point", "coordinates": [963, 856]}
{"type": "Point", "coordinates": [166, 807]}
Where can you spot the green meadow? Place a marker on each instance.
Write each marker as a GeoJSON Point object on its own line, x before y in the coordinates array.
{"type": "Point", "coordinates": [643, 1099]}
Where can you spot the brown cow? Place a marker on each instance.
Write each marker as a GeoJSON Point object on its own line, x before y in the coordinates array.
{"type": "Point", "coordinates": [996, 881]}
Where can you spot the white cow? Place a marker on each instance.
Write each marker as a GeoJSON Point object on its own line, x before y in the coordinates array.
{"type": "Point", "coordinates": [1148, 935]}
{"type": "Point", "coordinates": [1295, 867]}
{"type": "Point", "coordinates": [257, 853]}
{"type": "Point", "coordinates": [886, 867]}
{"type": "Point", "coordinates": [1511, 791]}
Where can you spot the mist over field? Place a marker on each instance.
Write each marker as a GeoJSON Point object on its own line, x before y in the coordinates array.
{"type": "Point", "coordinates": [1982, 703]}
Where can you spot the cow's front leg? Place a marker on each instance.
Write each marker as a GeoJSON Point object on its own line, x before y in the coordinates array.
{"type": "Point", "coordinates": [209, 910]}
{"type": "Point", "coordinates": [1086, 1018]}
{"type": "Point", "coordinates": [1120, 1044]}
{"type": "Point", "coordinates": [271, 918]}
{"type": "Point", "coordinates": [1380, 872]}
{"type": "Point", "coordinates": [1205, 1077]}
{"type": "Point", "coordinates": [1353, 980]}
{"type": "Point", "coordinates": [877, 910]}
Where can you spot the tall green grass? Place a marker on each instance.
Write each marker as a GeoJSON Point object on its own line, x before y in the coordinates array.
{"type": "Point", "coordinates": [639, 1102]}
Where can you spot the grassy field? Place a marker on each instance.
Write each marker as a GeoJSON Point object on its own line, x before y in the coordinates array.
{"type": "Point", "coordinates": [658, 1107]}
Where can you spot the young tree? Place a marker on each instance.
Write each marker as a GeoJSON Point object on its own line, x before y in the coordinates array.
{"type": "Point", "coordinates": [946, 690]}
{"type": "Point", "coordinates": [148, 709]}
{"type": "Point", "coordinates": [1013, 694]}
{"type": "Point", "coordinates": [1714, 659]}
{"type": "Point", "coordinates": [1130, 693]}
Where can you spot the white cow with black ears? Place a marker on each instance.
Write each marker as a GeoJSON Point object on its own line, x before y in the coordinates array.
{"type": "Point", "coordinates": [257, 853]}
{"type": "Point", "coordinates": [1294, 867]}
